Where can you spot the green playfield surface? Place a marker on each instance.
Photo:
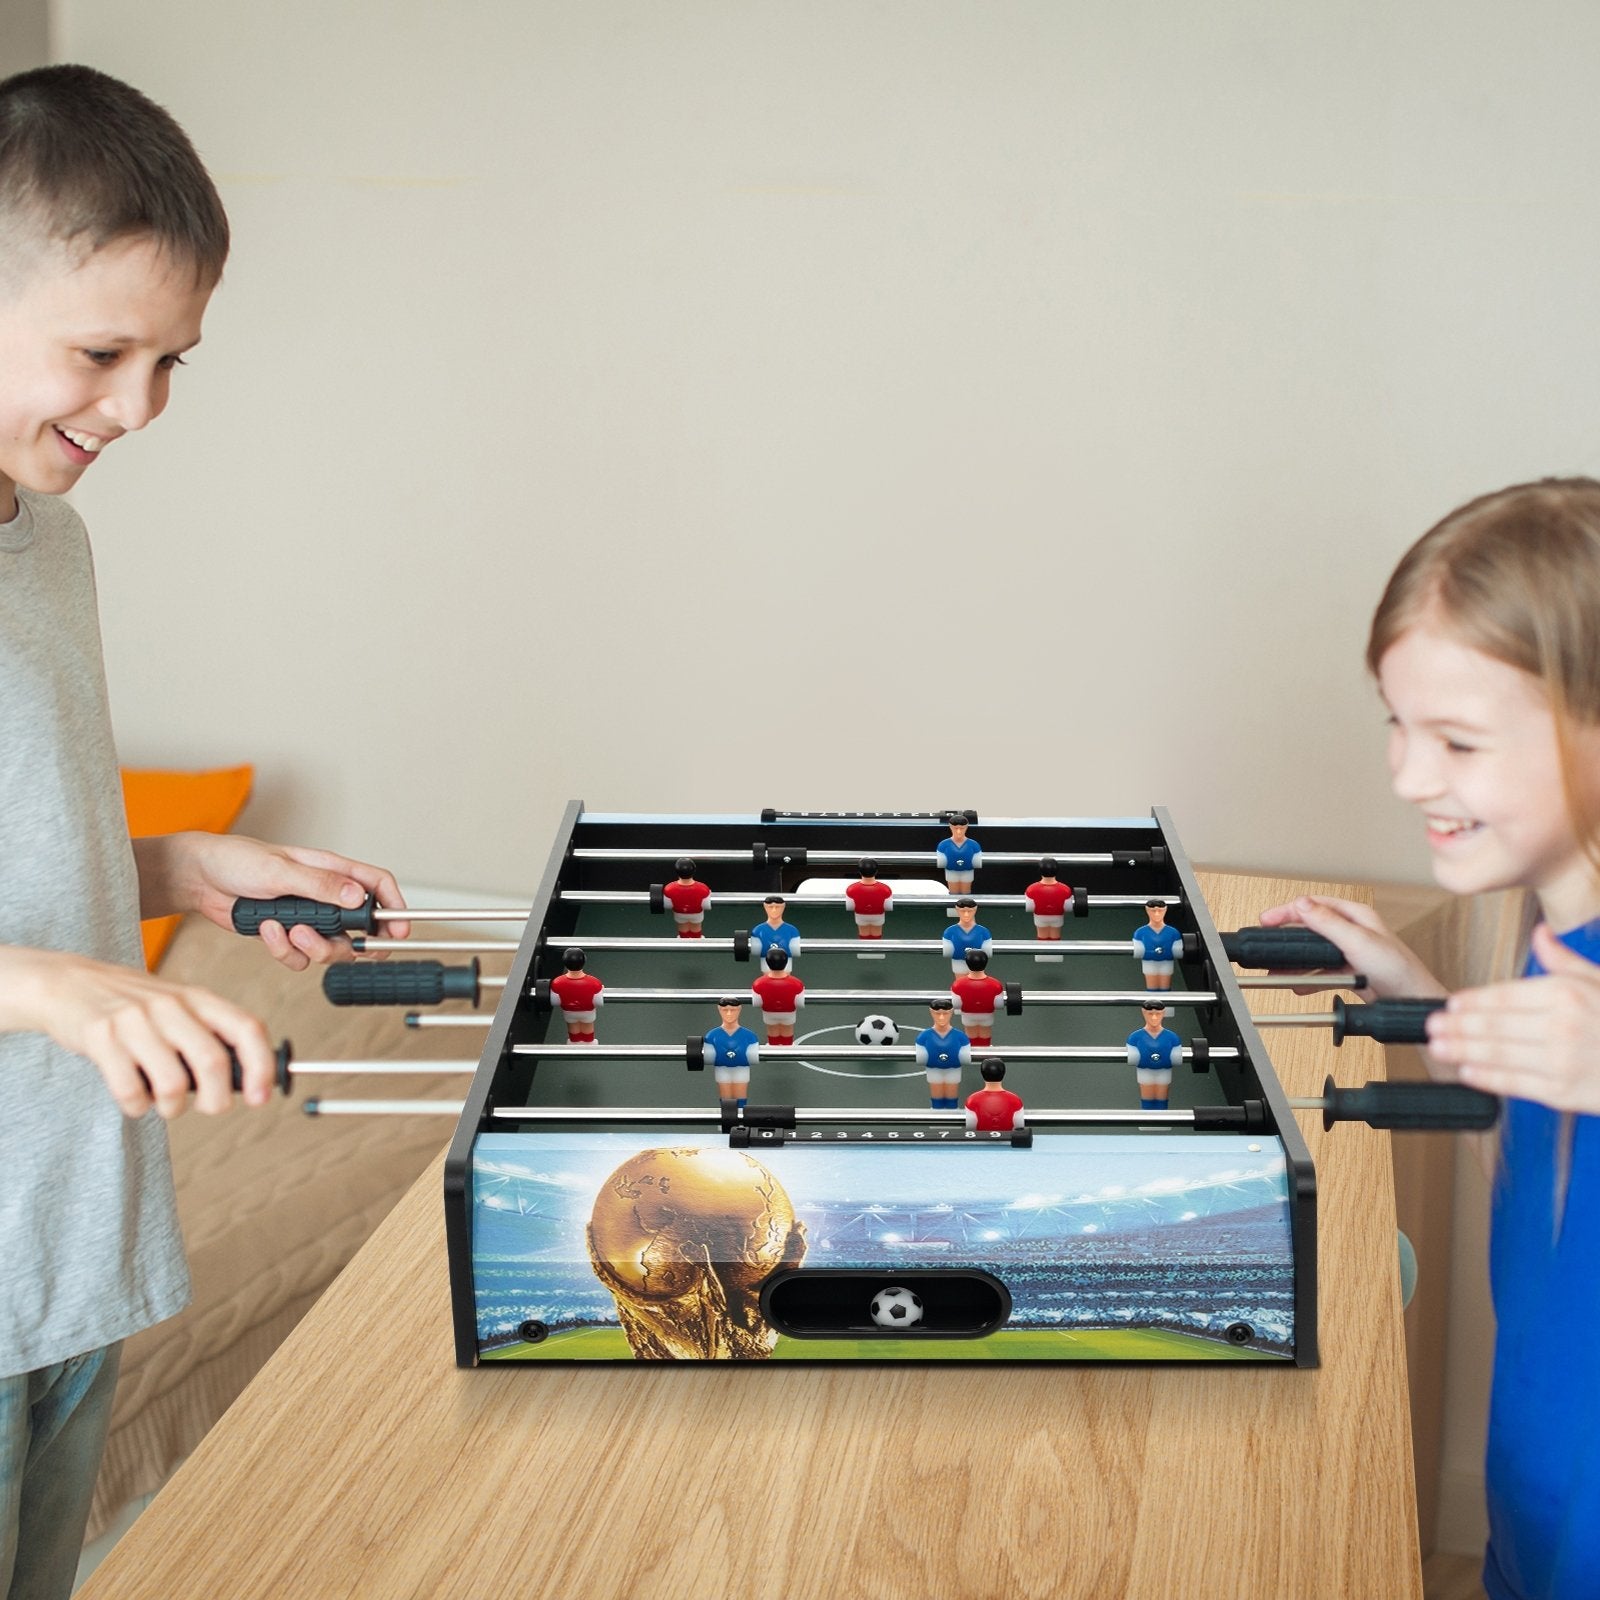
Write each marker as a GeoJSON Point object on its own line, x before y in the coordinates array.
{"type": "Point", "coordinates": [784, 1076]}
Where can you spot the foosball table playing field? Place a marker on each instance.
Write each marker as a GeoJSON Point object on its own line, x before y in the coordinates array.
{"type": "Point", "coordinates": [854, 1086]}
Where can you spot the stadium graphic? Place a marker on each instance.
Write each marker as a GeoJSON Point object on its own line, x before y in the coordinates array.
{"type": "Point", "coordinates": [612, 1246]}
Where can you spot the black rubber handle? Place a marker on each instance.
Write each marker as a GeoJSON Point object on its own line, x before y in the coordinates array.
{"type": "Point", "coordinates": [282, 1077]}
{"type": "Point", "coordinates": [399, 983]}
{"type": "Point", "coordinates": [1282, 949]}
{"type": "Point", "coordinates": [293, 912]}
{"type": "Point", "coordinates": [1387, 1021]}
{"type": "Point", "coordinates": [1410, 1105]}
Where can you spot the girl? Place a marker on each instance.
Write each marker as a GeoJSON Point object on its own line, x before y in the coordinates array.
{"type": "Point", "coordinates": [1486, 650]}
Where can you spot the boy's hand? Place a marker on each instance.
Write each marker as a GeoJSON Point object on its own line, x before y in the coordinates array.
{"type": "Point", "coordinates": [129, 1023]}
{"type": "Point", "coordinates": [216, 869]}
{"type": "Point", "coordinates": [1532, 1038]}
{"type": "Point", "coordinates": [1391, 969]}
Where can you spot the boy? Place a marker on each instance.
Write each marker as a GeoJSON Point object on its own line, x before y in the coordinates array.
{"type": "Point", "coordinates": [111, 241]}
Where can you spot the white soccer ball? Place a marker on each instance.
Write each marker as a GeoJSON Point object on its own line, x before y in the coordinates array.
{"type": "Point", "coordinates": [876, 1030]}
{"type": "Point", "coordinates": [896, 1308]}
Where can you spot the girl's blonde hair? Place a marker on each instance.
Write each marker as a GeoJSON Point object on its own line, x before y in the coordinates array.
{"type": "Point", "coordinates": [1516, 574]}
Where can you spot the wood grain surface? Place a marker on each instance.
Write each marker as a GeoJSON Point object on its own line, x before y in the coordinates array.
{"type": "Point", "coordinates": [362, 1463]}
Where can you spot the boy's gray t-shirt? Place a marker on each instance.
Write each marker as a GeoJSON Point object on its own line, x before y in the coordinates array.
{"type": "Point", "coordinates": [89, 1244]}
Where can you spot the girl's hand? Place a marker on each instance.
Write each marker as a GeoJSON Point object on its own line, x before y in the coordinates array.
{"type": "Point", "coordinates": [218, 868]}
{"type": "Point", "coordinates": [141, 1032]}
{"type": "Point", "coordinates": [1533, 1038]}
{"type": "Point", "coordinates": [1370, 948]}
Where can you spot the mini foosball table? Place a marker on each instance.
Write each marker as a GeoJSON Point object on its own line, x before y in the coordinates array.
{"type": "Point", "coordinates": [856, 1087]}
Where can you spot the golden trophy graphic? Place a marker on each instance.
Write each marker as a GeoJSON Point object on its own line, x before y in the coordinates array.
{"type": "Point", "coordinates": [683, 1239]}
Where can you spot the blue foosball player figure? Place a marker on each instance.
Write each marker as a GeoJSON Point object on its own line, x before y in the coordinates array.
{"type": "Point", "coordinates": [960, 857]}
{"type": "Point", "coordinates": [1154, 1050]}
{"type": "Point", "coordinates": [730, 1051]}
{"type": "Point", "coordinates": [775, 933]}
{"type": "Point", "coordinates": [942, 1051]}
{"type": "Point", "coordinates": [964, 934]}
{"type": "Point", "coordinates": [1157, 946]}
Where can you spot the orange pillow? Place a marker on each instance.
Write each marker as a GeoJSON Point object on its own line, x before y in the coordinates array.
{"type": "Point", "coordinates": [177, 802]}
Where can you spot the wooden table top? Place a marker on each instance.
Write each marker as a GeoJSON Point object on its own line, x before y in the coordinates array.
{"type": "Point", "coordinates": [362, 1462]}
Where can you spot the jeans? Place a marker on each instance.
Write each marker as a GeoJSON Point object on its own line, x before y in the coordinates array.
{"type": "Point", "coordinates": [52, 1429]}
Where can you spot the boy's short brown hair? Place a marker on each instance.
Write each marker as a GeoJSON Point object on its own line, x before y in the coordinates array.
{"type": "Point", "coordinates": [86, 160]}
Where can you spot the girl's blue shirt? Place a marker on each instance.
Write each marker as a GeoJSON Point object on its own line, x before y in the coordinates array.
{"type": "Point", "coordinates": [1543, 1466]}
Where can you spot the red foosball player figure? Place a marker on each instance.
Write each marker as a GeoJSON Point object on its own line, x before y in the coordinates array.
{"type": "Point", "coordinates": [870, 900]}
{"type": "Point", "coordinates": [578, 994]}
{"type": "Point", "coordinates": [688, 898]}
{"type": "Point", "coordinates": [993, 1108]}
{"type": "Point", "coordinates": [976, 994]}
{"type": "Point", "coordinates": [780, 994]}
{"type": "Point", "coordinates": [1049, 901]}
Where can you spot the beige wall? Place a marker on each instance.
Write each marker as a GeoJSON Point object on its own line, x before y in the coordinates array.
{"type": "Point", "coordinates": [704, 406]}
{"type": "Point", "coordinates": [24, 35]}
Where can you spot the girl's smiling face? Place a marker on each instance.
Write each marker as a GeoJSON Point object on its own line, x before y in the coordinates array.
{"type": "Point", "coordinates": [1472, 745]}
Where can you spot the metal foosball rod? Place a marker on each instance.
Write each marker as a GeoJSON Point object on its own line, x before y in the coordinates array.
{"type": "Point", "coordinates": [1197, 1051]}
{"type": "Point", "coordinates": [424, 983]}
{"type": "Point", "coordinates": [365, 945]}
{"type": "Point", "coordinates": [286, 1069]}
{"type": "Point", "coordinates": [291, 911]}
{"type": "Point", "coordinates": [316, 1107]}
{"type": "Point", "coordinates": [1251, 1114]}
{"type": "Point", "coordinates": [1279, 949]}
{"type": "Point", "coordinates": [654, 898]}
{"type": "Point", "coordinates": [1386, 1021]}
{"type": "Point", "coordinates": [696, 1115]}
{"type": "Point", "coordinates": [761, 854]}
{"type": "Point", "coordinates": [1398, 1106]}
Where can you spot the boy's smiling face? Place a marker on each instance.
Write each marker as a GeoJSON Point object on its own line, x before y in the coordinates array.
{"type": "Point", "coordinates": [87, 349]}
